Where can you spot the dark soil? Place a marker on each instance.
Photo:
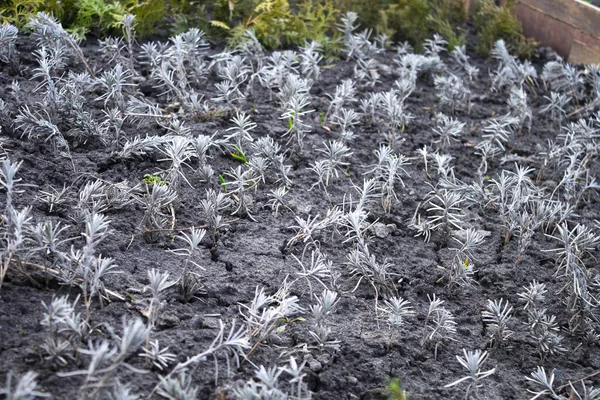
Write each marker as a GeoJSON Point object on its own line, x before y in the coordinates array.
{"type": "Point", "coordinates": [254, 254]}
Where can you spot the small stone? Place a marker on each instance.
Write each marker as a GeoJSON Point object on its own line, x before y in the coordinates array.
{"type": "Point", "coordinates": [381, 230]}
{"type": "Point", "coordinates": [33, 299]}
{"type": "Point", "coordinates": [168, 320]}
{"type": "Point", "coordinates": [324, 359]}
{"type": "Point", "coordinates": [352, 380]}
{"type": "Point", "coordinates": [314, 365]}
{"type": "Point", "coordinates": [462, 234]}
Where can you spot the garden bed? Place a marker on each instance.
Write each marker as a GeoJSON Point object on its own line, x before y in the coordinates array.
{"type": "Point", "coordinates": [367, 247]}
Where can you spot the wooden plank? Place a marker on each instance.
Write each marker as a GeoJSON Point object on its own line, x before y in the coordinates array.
{"type": "Point", "coordinates": [545, 29]}
{"type": "Point", "coordinates": [575, 13]}
{"type": "Point", "coordinates": [582, 53]}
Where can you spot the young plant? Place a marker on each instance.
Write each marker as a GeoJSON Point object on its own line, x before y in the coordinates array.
{"type": "Point", "coordinates": [106, 361]}
{"type": "Point", "coordinates": [157, 284]}
{"type": "Point", "coordinates": [240, 133]}
{"type": "Point", "coordinates": [496, 317]}
{"type": "Point", "coordinates": [387, 173]}
{"type": "Point", "coordinates": [445, 216]}
{"type": "Point", "coordinates": [84, 268]}
{"type": "Point", "coordinates": [453, 93]}
{"type": "Point", "coordinates": [159, 357]}
{"type": "Point", "coordinates": [47, 31]}
{"type": "Point", "coordinates": [393, 109]}
{"type": "Point", "coordinates": [24, 389]}
{"type": "Point", "coordinates": [267, 383]}
{"type": "Point", "coordinates": [295, 113]}
{"type": "Point", "coordinates": [61, 320]}
{"type": "Point", "coordinates": [440, 324]}
{"type": "Point", "coordinates": [473, 361]}
{"type": "Point", "coordinates": [190, 283]}
{"type": "Point", "coordinates": [241, 182]}
{"type": "Point", "coordinates": [462, 268]}
{"type": "Point", "coordinates": [448, 129]}
{"type": "Point", "coordinates": [321, 311]}
{"type": "Point", "coordinates": [8, 37]}
{"type": "Point", "coordinates": [396, 310]}
{"type": "Point", "coordinates": [156, 203]}
{"type": "Point", "coordinates": [517, 103]}
{"type": "Point", "coordinates": [212, 207]}
{"type": "Point", "coordinates": [264, 312]}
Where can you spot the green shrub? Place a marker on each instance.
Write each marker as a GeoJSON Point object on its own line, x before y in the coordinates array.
{"type": "Point", "coordinates": [493, 23]}
{"type": "Point", "coordinates": [417, 20]}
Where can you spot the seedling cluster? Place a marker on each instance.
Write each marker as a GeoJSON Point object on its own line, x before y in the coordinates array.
{"type": "Point", "coordinates": [299, 216]}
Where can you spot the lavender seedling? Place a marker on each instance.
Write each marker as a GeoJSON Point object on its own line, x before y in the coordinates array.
{"type": "Point", "coordinates": [60, 318]}
{"type": "Point", "coordinates": [308, 230]}
{"type": "Point", "coordinates": [496, 317]}
{"type": "Point", "coordinates": [295, 113]}
{"type": "Point", "coordinates": [453, 93]}
{"type": "Point", "coordinates": [387, 173]}
{"type": "Point", "coordinates": [440, 324]}
{"type": "Point", "coordinates": [365, 71]}
{"type": "Point", "coordinates": [473, 362]}
{"type": "Point", "coordinates": [264, 312]}
{"type": "Point", "coordinates": [460, 56]}
{"type": "Point", "coordinates": [159, 357]}
{"type": "Point", "coordinates": [556, 107]}
{"type": "Point", "coordinates": [564, 78]}
{"type": "Point", "coordinates": [212, 207]}
{"type": "Point", "coordinates": [241, 182]}
{"type": "Point", "coordinates": [240, 133]}
{"type": "Point", "coordinates": [533, 295]}
{"type": "Point", "coordinates": [545, 331]}
{"type": "Point", "coordinates": [581, 303]}
{"type": "Point", "coordinates": [8, 37]}
{"type": "Point", "coordinates": [321, 312]}
{"type": "Point", "coordinates": [310, 56]}
{"type": "Point", "coordinates": [528, 219]}
{"type": "Point", "coordinates": [49, 32]}
{"type": "Point", "coordinates": [344, 94]}
{"type": "Point", "coordinates": [346, 120]}
{"type": "Point", "coordinates": [35, 124]}
{"type": "Point", "coordinates": [128, 25]}
{"type": "Point", "coordinates": [106, 361]}
{"type": "Point", "coordinates": [539, 378]}
{"type": "Point", "coordinates": [318, 270]}
{"type": "Point", "coordinates": [177, 388]}
{"type": "Point", "coordinates": [13, 239]}
{"type": "Point", "coordinates": [395, 310]}
{"type": "Point", "coordinates": [268, 384]}
{"type": "Point", "coordinates": [393, 107]}
{"type": "Point", "coordinates": [445, 209]}
{"type": "Point", "coordinates": [232, 344]}
{"type": "Point", "coordinates": [336, 153]}
{"type": "Point", "coordinates": [190, 283]}
{"type": "Point", "coordinates": [47, 238]}
{"type": "Point", "coordinates": [462, 268]}
{"type": "Point", "coordinates": [178, 151]}
{"type": "Point", "coordinates": [517, 103]}
{"type": "Point", "coordinates": [44, 72]}
{"type": "Point", "coordinates": [277, 199]}
{"type": "Point", "coordinates": [24, 389]}
{"type": "Point", "coordinates": [155, 204]}
{"type": "Point", "coordinates": [157, 284]}
{"type": "Point", "coordinates": [86, 269]}
{"type": "Point", "coordinates": [448, 129]}
{"type": "Point", "coordinates": [114, 82]}
{"type": "Point", "coordinates": [498, 131]}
